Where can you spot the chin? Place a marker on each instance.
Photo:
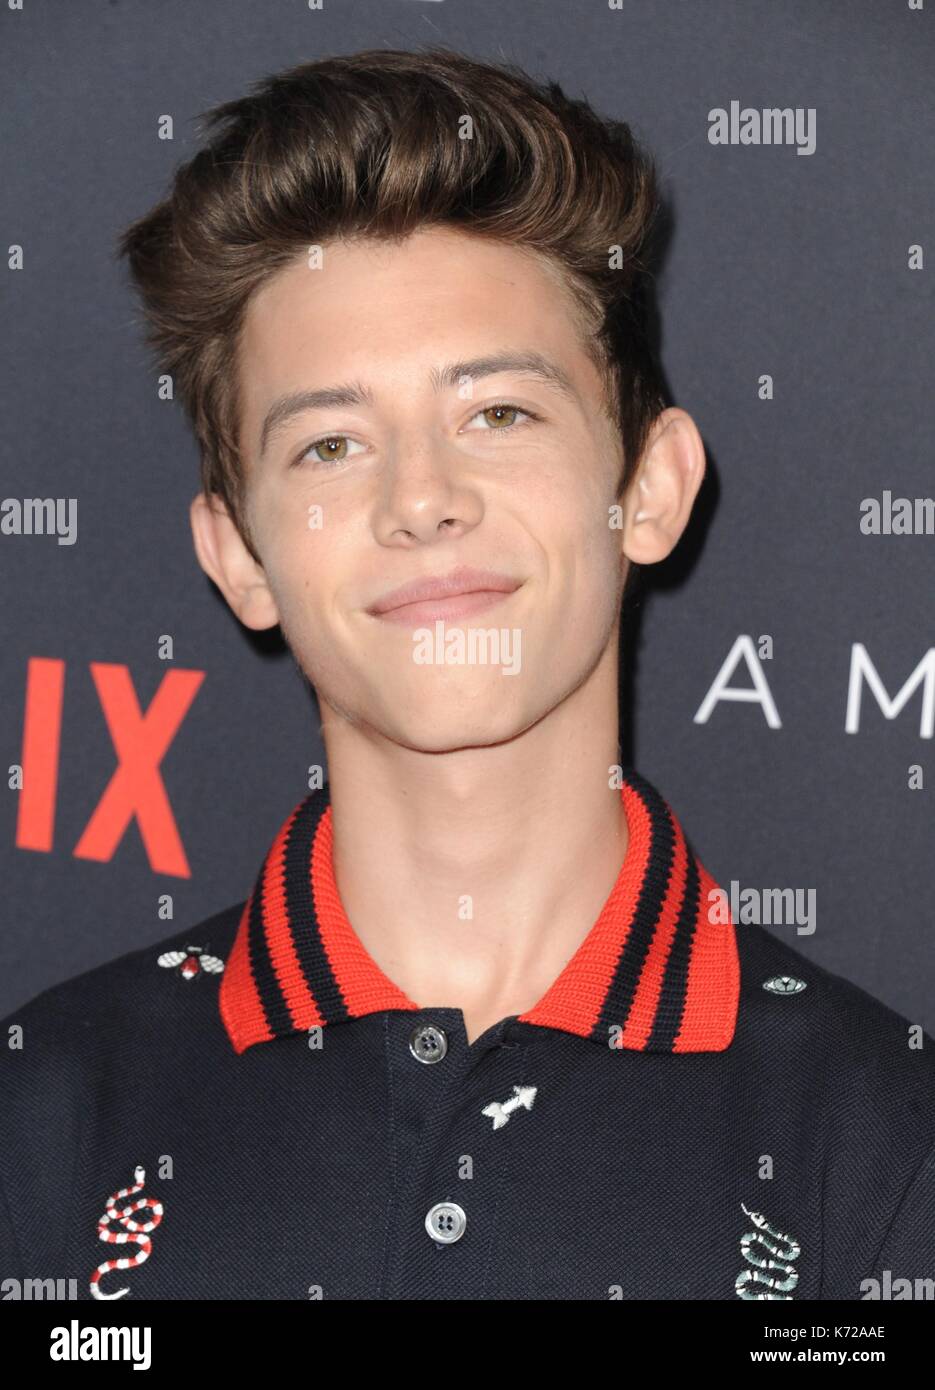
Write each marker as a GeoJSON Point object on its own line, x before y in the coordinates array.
{"type": "Point", "coordinates": [432, 730]}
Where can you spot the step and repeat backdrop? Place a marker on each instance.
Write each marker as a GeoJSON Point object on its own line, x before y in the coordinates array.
{"type": "Point", "coordinates": [778, 675]}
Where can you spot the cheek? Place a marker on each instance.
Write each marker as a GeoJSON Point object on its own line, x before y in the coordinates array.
{"type": "Point", "coordinates": [587, 557]}
{"type": "Point", "coordinates": [295, 565]}
{"type": "Point", "coordinates": [293, 539]}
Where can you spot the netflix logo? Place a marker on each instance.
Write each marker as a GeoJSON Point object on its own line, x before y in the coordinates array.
{"type": "Point", "coordinates": [136, 789]}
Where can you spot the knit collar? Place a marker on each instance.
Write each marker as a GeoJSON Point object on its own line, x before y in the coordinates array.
{"type": "Point", "coordinates": [653, 968]}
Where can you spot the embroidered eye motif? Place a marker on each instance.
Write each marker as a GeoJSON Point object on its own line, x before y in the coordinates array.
{"type": "Point", "coordinates": [784, 984]}
{"type": "Point", "coordinates": [193, 961]}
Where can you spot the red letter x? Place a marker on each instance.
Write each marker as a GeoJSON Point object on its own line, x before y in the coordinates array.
{"type": "Point", "coordinates": [136, 788]}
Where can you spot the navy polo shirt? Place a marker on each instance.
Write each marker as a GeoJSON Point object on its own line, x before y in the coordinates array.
{"type": "Point", "coordinates": [251, 1109]}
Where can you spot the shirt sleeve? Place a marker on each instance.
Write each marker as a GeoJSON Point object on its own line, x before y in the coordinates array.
{"type": "Point", "coordinates": [11, 1263]}
{"type": "Point", "coordinates": [908, 1248]}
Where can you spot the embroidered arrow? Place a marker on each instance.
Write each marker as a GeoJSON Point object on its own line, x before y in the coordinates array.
{"type": "Point", "coordinates": [500, 1113]}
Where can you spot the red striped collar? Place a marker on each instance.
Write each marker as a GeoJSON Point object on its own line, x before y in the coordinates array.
{"type": "Point", "coordinates": [654, 974]}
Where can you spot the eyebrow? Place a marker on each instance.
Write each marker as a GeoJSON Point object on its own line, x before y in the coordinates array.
{"type": "Point", "coordinates": [531, 364]}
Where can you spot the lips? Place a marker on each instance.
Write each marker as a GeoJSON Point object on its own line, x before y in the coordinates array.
{"type": "Point", "coordinates": [455, 595]}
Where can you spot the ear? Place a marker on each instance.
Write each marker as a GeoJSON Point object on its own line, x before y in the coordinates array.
{"type": "Point", "coordinates": [661, 496]}
{"type": "Point", "coordinates": [225, 558]}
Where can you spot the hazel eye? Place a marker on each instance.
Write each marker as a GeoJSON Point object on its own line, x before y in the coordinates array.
{"type": "Point", "coordinates": [500, 417]}
{"type": "Point", "coordinates": [336, 449]}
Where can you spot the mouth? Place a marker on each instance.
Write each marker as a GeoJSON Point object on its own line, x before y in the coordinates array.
{"type": "Point", "coordinates": [460, 594]}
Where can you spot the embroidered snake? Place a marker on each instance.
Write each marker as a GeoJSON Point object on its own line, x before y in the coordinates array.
{"type": "Point", "coordinates": [787, 1250]}
{"type": "Point", "coordinates": [134, 1231]}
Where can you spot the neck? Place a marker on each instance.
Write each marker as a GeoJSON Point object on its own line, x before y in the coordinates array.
{"type": "Point", "coordinates": [472, 877]}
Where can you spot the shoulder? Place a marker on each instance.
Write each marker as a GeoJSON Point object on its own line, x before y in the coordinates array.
{"type": "Point", "coordinates": [88, 1047]}
{"type": "Point", "coordinates": [108, 1008]}
{"type": "Point", "coordinates": [867, 1060]}
{"type": "Point", "coordinates": [772, 967]}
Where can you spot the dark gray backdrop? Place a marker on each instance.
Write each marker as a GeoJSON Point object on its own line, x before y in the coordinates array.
{"type": "Point", "coordinates": [777, 263]}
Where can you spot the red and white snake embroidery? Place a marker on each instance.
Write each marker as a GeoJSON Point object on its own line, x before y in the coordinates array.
{"type": "Point", "coordinates": [134, 1231]}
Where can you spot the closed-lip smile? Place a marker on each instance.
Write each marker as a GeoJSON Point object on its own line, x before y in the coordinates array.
{"type": "Point", "coordinates": [458, 594]}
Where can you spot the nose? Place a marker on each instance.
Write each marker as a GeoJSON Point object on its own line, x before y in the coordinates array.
{"type": "Point", "coordinates": [426, 495]}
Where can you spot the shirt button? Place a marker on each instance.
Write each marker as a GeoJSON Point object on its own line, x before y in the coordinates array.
{"type": "Point", "coordinates": [428, 1043]}
{"type": "Point", "coordinates": [445, 1222]}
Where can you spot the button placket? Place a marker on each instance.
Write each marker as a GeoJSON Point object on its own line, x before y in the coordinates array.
{"type": "Point", "coordinates": [439, 1247]}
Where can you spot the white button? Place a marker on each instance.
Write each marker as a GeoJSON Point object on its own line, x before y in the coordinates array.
{"type": "Point", "coordinates": [428, 1043]}
{"type": "Point", "coordinates": [445, 1222]}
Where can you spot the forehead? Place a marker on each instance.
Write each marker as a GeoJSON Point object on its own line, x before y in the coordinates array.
{"type": "Point", "coordinates": [390, 310]}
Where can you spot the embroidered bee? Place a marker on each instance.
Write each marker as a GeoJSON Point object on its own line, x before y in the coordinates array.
{"type": "Point", "coordinates": [193, 961]}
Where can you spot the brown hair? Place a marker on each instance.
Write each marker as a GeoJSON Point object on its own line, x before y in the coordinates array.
{"type": "Point", "coordinates": [370, 144]}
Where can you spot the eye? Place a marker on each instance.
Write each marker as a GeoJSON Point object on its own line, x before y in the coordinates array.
{"type": "Point", "coordinates": [335, 449]}
{"type": "Point", "coordinates": [497, 417]}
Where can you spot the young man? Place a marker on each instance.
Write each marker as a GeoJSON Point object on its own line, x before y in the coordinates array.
{"type": "Point", "coordinates": [481, 1026]}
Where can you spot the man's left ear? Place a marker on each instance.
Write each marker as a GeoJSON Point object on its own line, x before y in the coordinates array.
{"type": "Point", "coordinates": [661, 496]}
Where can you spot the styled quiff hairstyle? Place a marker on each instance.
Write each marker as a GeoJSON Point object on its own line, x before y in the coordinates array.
{"type": "Point", "coordinates": [373, 144]}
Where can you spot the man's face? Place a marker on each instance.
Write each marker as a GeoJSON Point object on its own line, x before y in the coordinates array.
{"type": "Point", "coordinates": [417, 472]}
